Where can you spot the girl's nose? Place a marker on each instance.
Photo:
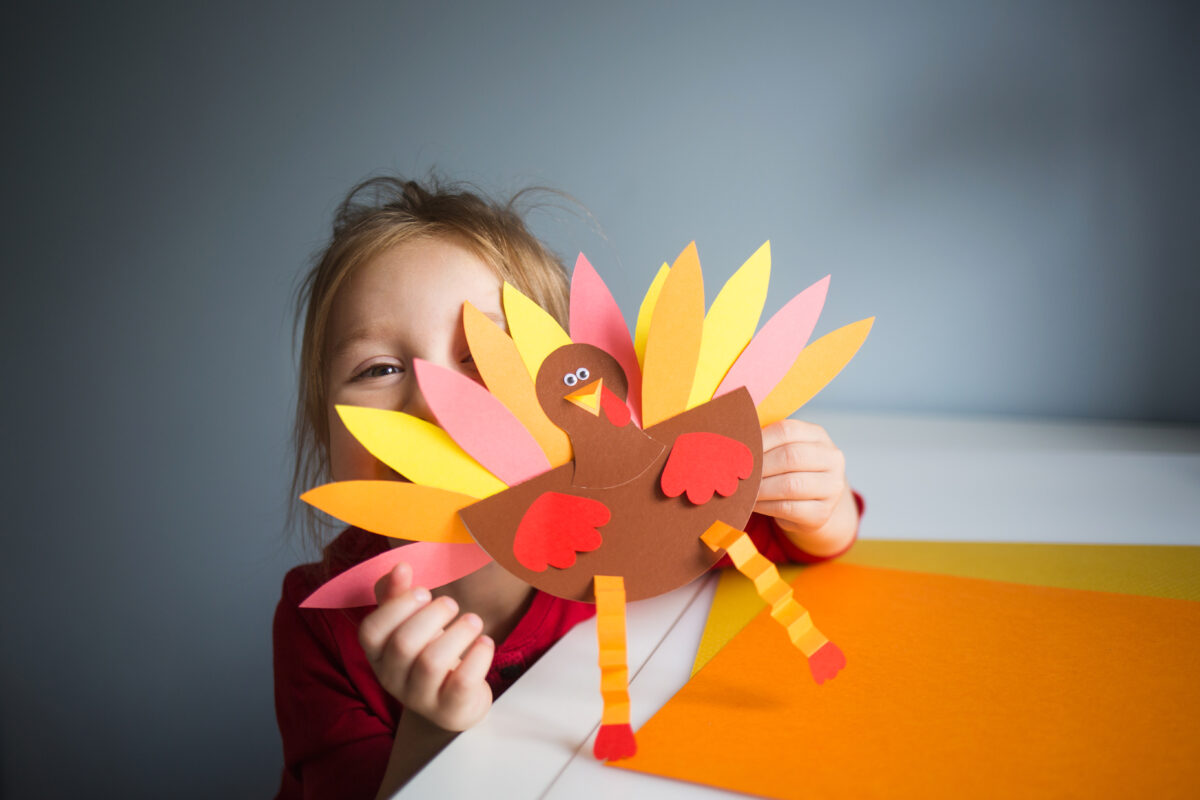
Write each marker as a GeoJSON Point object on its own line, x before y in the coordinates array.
{"type": "Point", "coordinates": [417, 407]}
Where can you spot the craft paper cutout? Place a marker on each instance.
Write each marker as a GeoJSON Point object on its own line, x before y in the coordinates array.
{"type": "Point", "coordinates": [652, 541]}
{"type": "Point", "coordinates": [615, 738]}
{"type": "Point", "coordinates": [596, 319]}
{"type": "Point", "coordinates": [958, 687]}
{"type": "Point", "coordinates": [504, 373]}
{"type": "Point", "coordinates": [535, 332]}
{"type": "Point", "coordinates": [730, 324]}
{"type": "Point", "coordinates": [479, 422]}
{"type": "Point", "coordinates": [612, 453]}
{"type": "Point", "coordinates": [673, 343]}
{"type": "Point", "coordinates": [703, 463]}
{"type": "Point", "coordinates": [396, 509]}
{"type": "Point", "coordinates": [780, 599]}
{"type": "Point", "coordinates": [1172, 572]}
{"type": "Point", "coordinates": [556, 527]}
{"type": "Point", "coordinates": [646, 312]}
{"type": "Point", "coordinates": [418, 450]}
{"type": "Point", "coordinates": [433, 564]}
{"type": "Point", "coordinates": [647, 506]}
{"type": "Point", "coordinates": [1153, 570]}
{"type": "Point", "coordinates": [813, 369]}
{"type": "Point", "coordinates": [775, 349]}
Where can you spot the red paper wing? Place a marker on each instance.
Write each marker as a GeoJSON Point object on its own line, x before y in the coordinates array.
{"type": "Point", "coordinates": [702, 463]}
{"type": "Point", "coordinates": [556, 527]}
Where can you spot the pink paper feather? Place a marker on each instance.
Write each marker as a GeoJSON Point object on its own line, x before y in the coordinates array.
{"type": "Point", "coordinates": [433, 564]}
{"type": "Point", "coordinates": [772, 351]}
{"type": "Point", "coordinates": [596, 320]}
{"type": "Point", "coordinates": [481, 424]}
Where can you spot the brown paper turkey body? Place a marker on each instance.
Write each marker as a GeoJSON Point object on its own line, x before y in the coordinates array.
{"type": "Point", "coordinates": [606, 512]}
{"type": "Point", "coordinates": [594, 466]}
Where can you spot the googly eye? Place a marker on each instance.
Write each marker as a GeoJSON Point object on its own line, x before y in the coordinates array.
{"type": "Point", "coordinates": [582, 373]}
{"type": "Point", "coordinates": [569, 379]}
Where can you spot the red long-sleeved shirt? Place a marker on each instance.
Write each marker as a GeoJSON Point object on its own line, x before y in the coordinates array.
{"type": "Point", "coordinates": [338, 722]}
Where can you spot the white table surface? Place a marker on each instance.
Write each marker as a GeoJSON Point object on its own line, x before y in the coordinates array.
{"type": "Point", "coordinates": [952, 479]}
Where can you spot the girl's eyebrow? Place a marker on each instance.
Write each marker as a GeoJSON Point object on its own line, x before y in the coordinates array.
{"type": "Point", "coordinates": [352, 338]}
{"type": "Point", "coordinates": [499, 319]}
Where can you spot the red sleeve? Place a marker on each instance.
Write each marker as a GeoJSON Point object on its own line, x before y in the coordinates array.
{"type": "Point", "coordinates": [773, 543]}
{"type": "Point", "coordinates": [337, 723]}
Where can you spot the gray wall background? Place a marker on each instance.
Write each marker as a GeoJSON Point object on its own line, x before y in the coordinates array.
{"type": "Point", "coordinates": [1010, 188]}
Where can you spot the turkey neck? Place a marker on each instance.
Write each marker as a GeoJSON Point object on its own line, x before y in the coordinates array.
{"type": "Point", "coordinates": [607, 455]}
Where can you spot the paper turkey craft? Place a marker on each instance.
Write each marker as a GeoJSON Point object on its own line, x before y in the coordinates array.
{"type": "Point", "coordinates": [594, 466]}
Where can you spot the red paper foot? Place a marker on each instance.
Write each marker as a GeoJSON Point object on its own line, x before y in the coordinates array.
{"type": "Point", "coordinates": [826, 662]}
{"type": "Point", "coordinates": [614, 742]}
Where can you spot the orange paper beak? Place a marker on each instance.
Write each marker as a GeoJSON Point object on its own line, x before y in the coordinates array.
{"type": "Point", "coordinates": [588, 397]}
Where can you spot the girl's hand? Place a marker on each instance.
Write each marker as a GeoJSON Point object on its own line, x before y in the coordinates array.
{"type": "Point", "coordinates": [804, 487]}
{"type": "Point", "coordinates": [431, 662]}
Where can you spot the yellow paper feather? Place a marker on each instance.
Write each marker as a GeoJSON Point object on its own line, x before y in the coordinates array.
{"type": "Point", "coordinates": [816, 366]}
{"type": "Point", "coordinates": [419, 450]}
{"type": "Point", "coordinates": [535, 332]}
{"type": "Point", "coordinates": [646, 313]}
{"type": "Point", "coordinates": [730, 324]}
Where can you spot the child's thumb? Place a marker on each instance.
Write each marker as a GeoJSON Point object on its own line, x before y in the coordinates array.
{"type": "Point", "coordinates": [396, 582]}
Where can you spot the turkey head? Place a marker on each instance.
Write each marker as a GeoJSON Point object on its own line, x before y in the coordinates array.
{"type": "Point", "coordinates": [583, 389]}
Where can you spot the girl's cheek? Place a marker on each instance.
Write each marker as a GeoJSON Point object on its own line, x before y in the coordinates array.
{"type": "Point", "coordinates": [348, 459]}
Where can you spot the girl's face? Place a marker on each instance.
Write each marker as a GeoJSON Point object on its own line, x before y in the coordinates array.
{"type": "Point", "coordinates": [404, 304]}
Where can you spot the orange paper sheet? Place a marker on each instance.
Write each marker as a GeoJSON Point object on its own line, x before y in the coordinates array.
{"type": "Point", "coordinates": [954, 687]}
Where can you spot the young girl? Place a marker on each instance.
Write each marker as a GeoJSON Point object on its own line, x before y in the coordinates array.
{"type": "Point", "coordinates": [365, 697]}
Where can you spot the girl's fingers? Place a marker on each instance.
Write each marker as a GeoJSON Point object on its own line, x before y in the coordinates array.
{"type": "Point", "coordinates": [802, 457]}
{"type": "Point", "coordinates": [801, 486]}
{"type": "Point", "coordinates": [792, 430]}
{"type": "Point", "coordinates": [378, 626]}
{"type": "Point", "coordinates": [474, 667]}
{"type": "Point", "coordinates": [806, 513]}
{"type": "Point", "coordinates": [442, 655]}
{"type": "Point", "coordinates": [407, 636]}
{"type": "Point", "coordinates": [465, 696]}
{"type": "Point", "coordinates": [414, 634]}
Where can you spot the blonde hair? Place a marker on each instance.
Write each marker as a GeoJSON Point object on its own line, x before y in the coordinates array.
{"type": "Point", "coordinates": [381, 213]}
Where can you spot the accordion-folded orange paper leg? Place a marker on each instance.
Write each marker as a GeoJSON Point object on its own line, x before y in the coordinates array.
{"type": "Point", "coordinates": [615, 739]}
{"type": "Point", "coordinates": [825, 658]}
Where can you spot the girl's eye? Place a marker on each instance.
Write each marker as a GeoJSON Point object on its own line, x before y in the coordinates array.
{"type": "Point", "coordinates": [569, 379]}
{"type": "Point", "coordinates": [582, 373]}
{"type": "Point", "coordinates": [379, 371]}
